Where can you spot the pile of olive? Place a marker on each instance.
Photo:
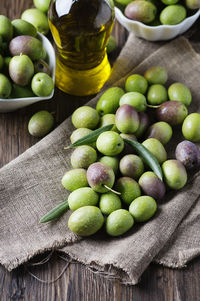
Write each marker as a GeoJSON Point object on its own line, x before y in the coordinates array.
{"type": "Point", "coordinates": [37, 16]}
{"type": "Point", "coordinates": [158, 12]}
{"type": "Point", "coordinates": [24, 71]}
{"type": "Point", "coordinates": [110, 181]}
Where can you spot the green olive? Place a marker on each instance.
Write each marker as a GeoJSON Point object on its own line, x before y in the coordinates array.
{"type": "Point", "coordinates": [156, 75]}
{"type": "Point", "coordinates": [173, 14]}
{"type": "Point", "coordinates": [180, 92]}
{"type": "Point", "coordinates": [119, 222]}
{"type": "Point", "coordinates": [83, 196]}
{"type": "Point", "coordinates": [85, 117]}
{"type": "Point", "coordinates": [5, 86]}
{"type": "Point", "coordinates": [109, 202]}
{"type": "Point", "coordinates": [134, 99]}
{"type": "Point", "coordinates": [6, 28]}
{"type": "Point", "coordinates": [191, 127]}
{"type": "Point", "coordinates": [136, 83]}
{"type": "Point", "coordinates": [40, 123]}
{"type": "Point", "coordinates": [157, 94]}
{"type": "Point", "coordinates": [74, 179]}
{"type": "Point", "coordinates": [143, 208]}
{"type": "Point", "coordinates": [175, 174]}
{"type": "Point", "coordinates": [86, 221]}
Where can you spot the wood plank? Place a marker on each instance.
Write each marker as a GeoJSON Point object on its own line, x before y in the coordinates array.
{"type": "Point", "coordinates": [78, 283]}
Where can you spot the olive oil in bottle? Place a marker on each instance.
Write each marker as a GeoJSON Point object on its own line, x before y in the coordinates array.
{"type": "Point", "coordinates": [81, 29]}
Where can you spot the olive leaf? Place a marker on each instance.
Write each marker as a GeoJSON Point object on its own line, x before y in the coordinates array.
{"type": "Point", "coordinates": [147, 156]}
{"type": "Point", "coordinates": [55, 212]}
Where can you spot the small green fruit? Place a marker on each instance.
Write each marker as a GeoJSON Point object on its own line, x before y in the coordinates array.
{"type": "Point", "coordinates": [42, 84]}
{"type": "Point", "coordinates": [109, 202]}
{"type": "Point", "coordinates": [110, 143]}
{"type": "Point", "coordinates": [191, 127]}
{"type": "Point", "coordinates": [143, 208]}
{"type": "Point", "coordinates": [156, 148]}
{"type": "Point", "coordinates": [85, 117]}
{"type": "Point", "coordinates": [83, 156]}
{"type": "Point", "coordinates": [156, 75]}
{"type": "Point", "coordinates": [175, 174]}
{"type": "Point", "coordinates": [134, 99]}
{"type": "Point", "coordinates": [128, 188]}
{"type": "Point", "coordinates": [86, 221]}
{"type": "Point", "coordinates": [40, 124]}
{"type": "Point", "coordinates": [136, 83]}
{"type": "Point", "coordinates": [108, 119]}
{"type": "Point", "coordinates": [157, 94]}
{"type": "Point", "coordinates": [22, 28]}
{"type": "Point", "coordinates": [112, 162]}
{"type": "Point", "coordinates": [173, 14]}
{"type": "Point", "coordinates": [42, 5]}
{"type": "Point", "coordinates": [119, 222]}
{"type": "Point", "coordinates": [80, 133]}
{"type": "Point", "coordinates": [6, 28]}
{"type": "Point", "coordinates": [37, 18]}
{"type": "Point", "coordinates": [84, 196]}
{"type": "Point", "coordinates": [109, 101]}
{"type": "Point", "coordinates": [180, 92]}
{"type": "Point", "coordinates": [21, 70]}
{"type": "Point", "coordinates": [5, 86]}
{"type": "Point", "coordinates": [74, 179]}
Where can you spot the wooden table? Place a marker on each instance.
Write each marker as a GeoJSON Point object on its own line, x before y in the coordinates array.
{"type": "Point", "coordinates": [78, 283]}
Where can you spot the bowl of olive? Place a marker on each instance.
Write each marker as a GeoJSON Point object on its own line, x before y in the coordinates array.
{"type": "Point", "coordinates": [156, 20]}
{"type": "Point", "coordinates": [27, 65]}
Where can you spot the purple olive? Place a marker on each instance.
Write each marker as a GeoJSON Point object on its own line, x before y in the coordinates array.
{"type": "Point", "coordinates": [189, 154]}
{"type": "Point", "coordinates": [144, 123]}
{"type": "Point", "coordinates": [152, 185]}
{"type": "Point", "coordinates": [172, 112]}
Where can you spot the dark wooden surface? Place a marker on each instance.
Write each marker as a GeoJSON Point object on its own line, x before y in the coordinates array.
{"type": "Point", "coordinates": [78, 283]}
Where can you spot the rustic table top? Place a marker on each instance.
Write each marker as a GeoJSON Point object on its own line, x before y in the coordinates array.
{"type": "Point", "coordinates": [78, 283]}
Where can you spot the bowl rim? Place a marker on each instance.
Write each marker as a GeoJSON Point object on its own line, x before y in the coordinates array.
{"type": "Point", "coordinates": [39, 98]}
{"type": "Point", "coordinates": [127, 20]}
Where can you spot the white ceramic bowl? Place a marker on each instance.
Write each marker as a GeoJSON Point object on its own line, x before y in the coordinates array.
{"type": "Point", "coordinates": [8, 105]}
{"type": "Point", "coordinates": [155, 33]}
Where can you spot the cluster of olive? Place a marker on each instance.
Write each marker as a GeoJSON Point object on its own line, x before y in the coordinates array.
{"type": "Point", "coordinates": [24, 71]}
{"type": "Point", "coordinates": [156, 12]}
{"type": "Point", "coordinates": [115, 181]}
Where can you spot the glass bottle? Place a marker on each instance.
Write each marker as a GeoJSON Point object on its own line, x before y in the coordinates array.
{"type": "Point", "coordinates": [81, 29]}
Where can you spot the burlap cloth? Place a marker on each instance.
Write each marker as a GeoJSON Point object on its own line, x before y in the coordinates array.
{"type": "Point", "coordinates": [30, 186]}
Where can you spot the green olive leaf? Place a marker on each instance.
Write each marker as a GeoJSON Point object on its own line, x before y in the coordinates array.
{"type": "Point", "coordinates": [55, 212]}
{"type": "Point", "coordinates": [147, 156]}
{"type": "Point", "coordinates": [92, 137]}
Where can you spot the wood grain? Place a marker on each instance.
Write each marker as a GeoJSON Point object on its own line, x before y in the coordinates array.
{"type": "Point", "coordinates": [78, 283]}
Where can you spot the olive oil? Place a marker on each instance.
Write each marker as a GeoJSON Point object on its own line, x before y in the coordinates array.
{"type": "Point", "coordinates": [81, 29]}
